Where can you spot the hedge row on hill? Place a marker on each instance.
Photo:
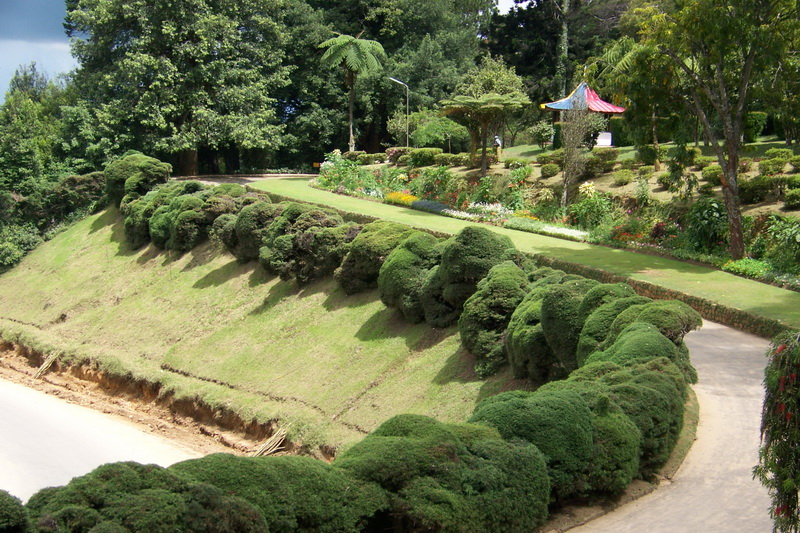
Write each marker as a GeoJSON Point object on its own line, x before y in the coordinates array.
{"type": "Point", "coordinates": [612, 366]}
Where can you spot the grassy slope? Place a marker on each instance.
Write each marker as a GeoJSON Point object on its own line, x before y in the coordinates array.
{"type": "Point", "coordinates": [334, 366]}
{"type": "Point", "coordinates": [701, 281]}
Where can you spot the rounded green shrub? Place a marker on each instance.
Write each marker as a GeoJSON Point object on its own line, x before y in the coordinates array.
{"type": "Point", "coordinates": [549, 170]}
{"type": "Point", "coordinates": [701, 162]}
{"type": "Point", "coordinates": [794, 161]}
{"type": "Point", "coordinates": [597, 325]}
{"type": "Point", "coordinates": [559, 423]}
{"type": "Point", "coordinates": [189, 230]}
{"type": "Point", "coordinates": [602, 294]}
{"type": "Point", "coordinates": [451, 477]}
{"type": "Point", "coordinates": [783, 154]}
{"type": "Point", "coordinates": [486, 315]}
{"type": "Point", "coordinates": [639, 342]}
{"type": "Point", "coordinates": [562, 321]}
{"type": "Point", "coordinates": [423, 157]}
{"type": "Point", "coordinates": [623, 177]}
{"type": "Point", "coordinates": [402, 275]}
{"type": "Point", "coordinates": [673, 318]}
{"type": "Point", "coordinates": [770, 167]}
{"type": "Point", "coordinates": [791, 199]}
{"type": "Point", "coordinates": [13, 516]}
{"type": "Point", "coordinates": [134, 497]}
{"type": "Point", "coordinates": [438, 312]}
{"type": "Point", "coordinates": [713, 174]}
{"type": "Point", "coordinates": [526, 346]}
{"type": "Point", "coordinates": [319, 251]}
{"type": "Point", "coordinates": [223, 231]}
{"type": "Point", "coordinates": [251, 227]}
{"type": "Point", "coordinates": [293, 493]}
{"type": "Point", "coordinates": [362, 264]}
{"type": "Point", "coordinates": [756, 189]}
{"type": "Point", "coordinates": [134, 174]}
{"type": "Point", "coordinates": [467, 258]}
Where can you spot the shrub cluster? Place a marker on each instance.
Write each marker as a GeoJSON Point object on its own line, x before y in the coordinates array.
{"type": "Point", "coordinates": [423, 157]}
{"type": "Point", "coordinates": [133, 175]}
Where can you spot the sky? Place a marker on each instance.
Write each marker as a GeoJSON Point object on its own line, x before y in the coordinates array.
{"type": "Point", "coordinates": [31, 30]}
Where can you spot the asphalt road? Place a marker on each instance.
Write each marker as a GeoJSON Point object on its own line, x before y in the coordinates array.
{"type": "Point", "coordinates": [713, 491]}
{"type": "Point", "coordinates": [45, 441]}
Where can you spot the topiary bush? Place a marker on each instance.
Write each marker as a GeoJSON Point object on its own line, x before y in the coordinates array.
{"type": "Point", "coordinates": [701, 162]}
{"type": "Point", "coordinates": [423, 157]}
{"type": "Point", "coordinates": [648, 155]}
{"type": "Point", "coordinates": [13, 515]}
{"type": "Point", "coordinates": [466, 259]}
{"type": "Point", "coordinates": [770, 167]}
{"type": "Point", "coordinates": [791, 199]}
{"type": "Point", "coordinates": [319, 251]}
{"type": "Point", "coordinates": [251, 226]}
{"type": "Point", "coordinates": [673, 318]}
{"type": "Point", "coordinates": [526, 346]}
{"type": "Point", "coordinates": [134, 497]}
{"type": "Point", "coordinates": [623, 177]}
{"type": "Point", "coordinates": [559, 423]}
{"type": "Point", "coordinates": [450, 477]}
{"type": "Point", "coordinates": [756, 189]}
{"type": "Point", "coordinates": [361, 266]}
{"type": "Point", "coordinates": [549, 170]}
{"type": "Point", "coordinates": [598, 323]}
{"type": "Point", "coordinates": [402, 276]}
{"type": "Point", "coordinates": [487, 313]}
{"type": "Point", "coordinates": [713, 174]}
{"type": "Point", "coordinates": [638, 343]}
{"type": "Point", "coordinates": [293, 493]}
{"type": "Point", "coordinates": [782, 154]}
{"type": "Point", "coordinates": [562, 320]}
{"type": "Point", "coordinates": [134, 174]}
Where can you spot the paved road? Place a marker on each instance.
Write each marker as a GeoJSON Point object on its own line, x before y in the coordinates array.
{"type": "Point", "coordinates": [713, 491]}
{"type": "Point", "coordinates": [47, 441]}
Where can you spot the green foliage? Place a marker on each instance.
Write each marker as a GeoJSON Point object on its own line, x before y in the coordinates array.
{"type": "Point", "coordinates": [756, 189]}
{"type": "Point", "coordinates": [292, 493]}
{"type": "Point", "coordinates": [648, 155]}
{"type": "Point", "coordinates": [141, 498]}
{"type": "Point", "coordinates": [134, 175]}
{"type": "Point", "coordinates": [754, 124]}
{"type": "Point", "coordinates": [559, 423]}
{"type": "Point", "coordinates": [550, 169]}
{"type": "Point", "coordinates": [638, 343]}
{"type": "Point", "coordinates": [514, 163]}
{"type": "Point", "coordinates": [792, 199]}
{"type": "Point", "coordinates": [673, 318]}
{"type": "Point", "coordinates": [15, 242]}
{"type": "Point", "coordinates": [319, 251]}
{"type": "Point", "coordinates": [706, 225]}
{"type": "Point", "coordinates": [362, 264]}
{"type": "Point", "coordinates": [466, 259]}
{"type": "Point", "coordinates": [779, 154]}
{"type": "Point", "coordinates": [402, 275]}
{"type": "Point", "coordinates": [423, 157]}
{"type": "Point", "coordinates": [432, 184]}
{"type": "Point", "coordinates": [795, 163]}
{"type": "Point", "coordinates": [487, 313]}
{"type": "Point", "coordinates": [591, 210]}
{"type": "Point", "coordinates": [701, 162]}
{"type": "Point", "coordinates": [526, 346]}
{"type": "Point", "coordinates": [542, 133]}
{"type": "Point", "coordinates": [770, 167]}
{"type": "Point", "coordinates": [562, 321]}
{"type": "Point", "coordinates": [251, 227]}
{"type": "Point", "coordinates": [451, 477]}
{"type": "Point", "coordinates": [556, 156]}
{"type": "Point", "coordinates": [747, 267]}
{"type": "Point", "coordinates": [778, 466]}
{"type": "Point", "coordinates": [619, 131]}
{"type": "Point", "coordinates": [623, 177]}
{"type": "Point", "coordinates": [598, 323]}
{"type": "Point", "coordinates": [713, 174]}
{"type": "Point", "coordinates": [13, 516]}
{"type": "Point", "coordinates": [338, 173]}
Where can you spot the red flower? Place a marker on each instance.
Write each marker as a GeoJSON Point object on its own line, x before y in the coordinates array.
{"type": "Point", "coordinates": [780, 349]}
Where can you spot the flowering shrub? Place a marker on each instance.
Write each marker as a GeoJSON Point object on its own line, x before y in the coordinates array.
{"type": "Point", "coordinates": [347, 177]}
{"type": "Point", "coordinates": [400, 198]}
{"type": "Point", "coordinates": [779, 456]}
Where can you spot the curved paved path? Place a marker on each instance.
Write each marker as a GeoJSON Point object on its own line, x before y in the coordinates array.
{"type": "Point", "coordinates": [713, 491]}
{"type": "Point", "coordinates": [47, 441]}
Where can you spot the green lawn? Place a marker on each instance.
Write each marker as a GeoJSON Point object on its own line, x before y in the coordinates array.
{"type": "Point", "coordinates": [333, 366]}
{"type": "Point", "coordinates": [712, 284]}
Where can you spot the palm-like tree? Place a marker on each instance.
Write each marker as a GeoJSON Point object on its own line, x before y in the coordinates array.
{"type": "Point", "coordinates": [356, 56]}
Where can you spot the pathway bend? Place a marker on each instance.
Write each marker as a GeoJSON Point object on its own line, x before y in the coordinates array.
{"type": "Point", "coordinates": [713, 491]}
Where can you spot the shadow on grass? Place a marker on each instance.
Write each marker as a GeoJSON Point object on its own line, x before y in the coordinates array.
{"type": "Point", "coordinates": [337, 299]}
{"type": "Point", "coordinates": [459, 368]}
{"type": "Point", "coordinates": [230, 270]}
{"type": "Point", "coordinates": [201, 255]}
{"type": "Point", "coordinates": [276, 294]}
{"type": "Point", "coordinates": [106, 219]}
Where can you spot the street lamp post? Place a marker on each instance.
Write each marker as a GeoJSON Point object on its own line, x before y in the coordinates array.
{"type": "Point", "coordinates": [406, 86]}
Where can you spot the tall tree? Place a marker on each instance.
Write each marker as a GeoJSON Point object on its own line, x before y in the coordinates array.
{"type": "Point", "coordinates": [721, 46]}
{"type": "Point", "coordinates": [483, 99]}
{"type": "Point", "coordinates": [173, 77]}
{"type": "Point", "coordinates": [356, 56]}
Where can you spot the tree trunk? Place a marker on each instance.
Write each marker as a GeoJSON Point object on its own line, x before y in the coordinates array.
{"type": "Point", "coordinates": [657, 162]}
{"type": "Point", "coordinates": [730, 192]}
{"type": "Point", "coordinates": [187, 163]}
{"type": "Point", "coordinates": [562, 52]}
{"type": "Point", "coordinates": [484, 140]}
{"type": "Point", "coordinates": [352, 144]}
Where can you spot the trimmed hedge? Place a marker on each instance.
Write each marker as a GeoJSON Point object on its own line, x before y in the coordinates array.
{"type": "Point", "coordinates": [402, 276]}
{"type": "Point", "coordinates": [559, 423]}
{"type": "Point", "coordinates": [251, 227]}
{"type": "Point", "coordinates": [526, 346]}
{"type": "Point", "coordinates": [292, 493]}
{"type": "Point", "coordinates": [423, 157]}
{"type": "Point", "coordinates": [549, 170]}
{"type": "Point", "coordinates": [134, 174]}
{"type": "Point", "coordinates": [598, 324]}
{"type": "Point", "coordinates": [450, 477]}
{"type": "Point", "coordinates": [562, 320]}
{"type": "Point", "coordinates": [362, 264]}
{"type": "Point", "coordinates": [487, 313]}
{"type": "Point", "coordinates": [134, 497]}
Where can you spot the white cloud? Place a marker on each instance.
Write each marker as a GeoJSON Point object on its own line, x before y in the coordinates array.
{"type": "Point", "coordinates": [51, 57]}
{"type": "Point", "coordinates": [505, 5]}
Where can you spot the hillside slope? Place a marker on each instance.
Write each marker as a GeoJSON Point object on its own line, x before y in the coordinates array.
{"type": "Point", "coordinates": [203, 324]}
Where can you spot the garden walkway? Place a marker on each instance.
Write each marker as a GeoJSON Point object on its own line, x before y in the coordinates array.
{"type": "Point", "coordinates": [713, 491]}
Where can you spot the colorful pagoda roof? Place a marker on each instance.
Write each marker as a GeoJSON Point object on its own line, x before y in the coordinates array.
{"type": "Point", "coordinates": [583, 97]}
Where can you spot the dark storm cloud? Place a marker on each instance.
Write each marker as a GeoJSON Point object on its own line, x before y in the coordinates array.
{"type": "Point", "coordinates": [32, 20]}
